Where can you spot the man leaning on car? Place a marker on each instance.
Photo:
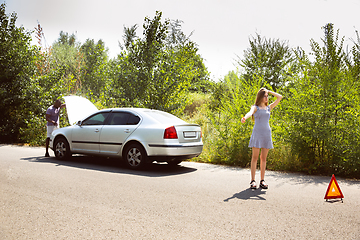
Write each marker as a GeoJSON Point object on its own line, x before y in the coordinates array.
{"type": "Point", "coordinates": [52, 118]}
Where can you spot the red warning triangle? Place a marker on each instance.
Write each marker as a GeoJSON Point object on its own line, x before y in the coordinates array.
{"type": "Point", "coordinates": [333, 190]}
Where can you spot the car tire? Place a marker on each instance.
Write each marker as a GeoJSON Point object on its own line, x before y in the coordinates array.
{"type": "Point", "coordinates": [135, 156]}
{"type": "Point", "coordinates": [62, 149]}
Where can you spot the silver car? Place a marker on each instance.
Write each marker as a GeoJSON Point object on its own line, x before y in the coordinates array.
{"type": "Point", "coordinates": [137, 135]}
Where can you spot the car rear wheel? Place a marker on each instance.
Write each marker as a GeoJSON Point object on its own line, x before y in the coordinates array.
{"type": "Point", "coordinates": [62, 149]}
{"type": "Point", "coordinates": [135, 156]}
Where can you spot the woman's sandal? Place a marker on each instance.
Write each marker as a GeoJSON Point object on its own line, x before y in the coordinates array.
{"type": "Point", "coordinates": [253, 184]}
{"type": "Point", "coordinates": [263, 185]}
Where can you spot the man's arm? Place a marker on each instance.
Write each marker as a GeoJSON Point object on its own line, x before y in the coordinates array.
{"type": "Point", "coordinates": [49, 120]}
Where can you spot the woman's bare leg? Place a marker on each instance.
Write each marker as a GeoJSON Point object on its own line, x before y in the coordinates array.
{"type": "Point", "coordinates": [263, 155]}
{"type": "Point", "coordinates": [254, 158]}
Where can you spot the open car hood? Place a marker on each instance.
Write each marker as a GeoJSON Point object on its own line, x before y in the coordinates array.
{"type": "Point", "coordinates": [78, 108]}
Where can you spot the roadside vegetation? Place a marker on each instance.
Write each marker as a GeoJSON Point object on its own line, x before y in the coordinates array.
{"type": "Point", "coordinates": [316, 128]}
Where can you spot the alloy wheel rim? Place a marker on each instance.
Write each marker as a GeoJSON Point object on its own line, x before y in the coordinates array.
{"type": "Point", "coordinates": [60, 149]}
{"type": "Point", "coordinates": [134, 157]}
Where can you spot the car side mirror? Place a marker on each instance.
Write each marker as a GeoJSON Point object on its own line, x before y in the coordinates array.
{"type": "Point", "coordinates": [79, 123]}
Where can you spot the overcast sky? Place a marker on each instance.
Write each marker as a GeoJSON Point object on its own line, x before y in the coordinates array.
{"type": "Point", "coordinates": [221, 27]}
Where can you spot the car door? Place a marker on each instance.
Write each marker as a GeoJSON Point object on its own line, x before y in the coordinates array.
{"type": "Point", "coordinates": [86, 136]}
{"type": "Point", "coordinates": [118, 128]}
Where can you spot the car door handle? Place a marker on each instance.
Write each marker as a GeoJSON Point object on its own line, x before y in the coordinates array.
{"type": "Point", "coordinates": [97, 130]}
{"type": "Point", "coordinates": [127, 130]}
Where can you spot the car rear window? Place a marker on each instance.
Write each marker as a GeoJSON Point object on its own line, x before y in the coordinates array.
{"type": "Point", "coordinates": [164, 117]}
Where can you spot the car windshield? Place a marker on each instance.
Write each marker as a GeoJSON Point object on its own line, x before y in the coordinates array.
{"type": "Point", "coordinates": [163, 117]}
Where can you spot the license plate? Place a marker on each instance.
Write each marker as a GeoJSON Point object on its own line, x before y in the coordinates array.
{"type": "Point", "coordinates": [189, 134]}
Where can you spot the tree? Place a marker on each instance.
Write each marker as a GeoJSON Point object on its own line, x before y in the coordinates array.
{"type": "Point", "coordinates": [269, 59]}
{"type": "Point", "coordinates": [324, 126]}
{"type": "Point", "coordinates": [129, 36]}
{"type": "Point", "coordinates": [156, 71]}
{"type": "Point", "coordinates": [94, 75]}
{"type": "Point", "coordinates": [201, 81]}
{"type": "Point", "coordinates": [67, 58]}
{"type": "Point", "coordinates": [67, 39]}
{"type": "Point", "coordinates": [355, 64]}
{"type": "Point", "coordinates": [16, 68]}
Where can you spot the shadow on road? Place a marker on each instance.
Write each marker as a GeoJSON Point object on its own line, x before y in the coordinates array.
{"type": "Point", "coordinates": [248, 194]}
{"type": "Point", "coordinates": [114, 166]}
{"type": "Point", "coordinates": [300, 179]}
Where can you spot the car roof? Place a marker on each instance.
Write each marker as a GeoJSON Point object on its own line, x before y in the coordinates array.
{"type": "Point", "coordinates": [129, 109]}
{"type": "Point", "coordinates": [159, 117]}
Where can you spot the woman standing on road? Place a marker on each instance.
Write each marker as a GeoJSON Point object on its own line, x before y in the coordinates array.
{"type": "Point", "coordinates": [261, 135]}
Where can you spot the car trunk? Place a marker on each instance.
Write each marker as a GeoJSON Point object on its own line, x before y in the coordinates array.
{"type": "Point", "coordinates": [188, 133]}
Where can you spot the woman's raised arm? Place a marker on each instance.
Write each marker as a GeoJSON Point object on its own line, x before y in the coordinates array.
{"type": "Point", "coordinates": [278, 98]}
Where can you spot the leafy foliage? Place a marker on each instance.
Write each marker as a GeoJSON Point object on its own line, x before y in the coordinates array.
{"type": "Point", "coordinates": [157, 70]}
{"type": "Point", "coordinates": [16, 67]}
{"type": "Point", "coordinates": [324, 114]}
{"type": "Point", "coordinates": [269, 59]}
{"type": "Point", "coordinates": [94, 69]}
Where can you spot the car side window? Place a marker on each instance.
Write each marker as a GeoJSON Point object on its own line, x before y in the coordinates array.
{"type": "Point", "coordinates": [97, 119]}
{"type": "Point", "coordinates": [133, 120]}
{"type": "Point", "coordinates": [119, 118]}
{"type": "Point", "coordinates": [123, 118]}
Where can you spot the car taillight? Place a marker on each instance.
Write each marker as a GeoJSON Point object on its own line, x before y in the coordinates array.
{"type": "Point", "coordinates": [170, 133]}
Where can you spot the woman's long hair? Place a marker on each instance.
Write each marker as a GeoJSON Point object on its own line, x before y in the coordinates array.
{"type": "Point", "coordinates": [259, 99]}
{"type": "Point", "coordinates": [260, 96]}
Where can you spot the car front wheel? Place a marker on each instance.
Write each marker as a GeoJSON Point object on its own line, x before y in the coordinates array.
{"type": "Point", "coordinates": [62, 149]}
{"type": "Point", "coordinates": [135, 156]}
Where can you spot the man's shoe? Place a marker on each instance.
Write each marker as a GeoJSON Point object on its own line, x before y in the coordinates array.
{"type": "Point", "coordinates": [47, 154]}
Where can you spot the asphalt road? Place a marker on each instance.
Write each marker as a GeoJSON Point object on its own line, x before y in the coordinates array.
{"type": "Point", "coordinates": [94, 198]}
